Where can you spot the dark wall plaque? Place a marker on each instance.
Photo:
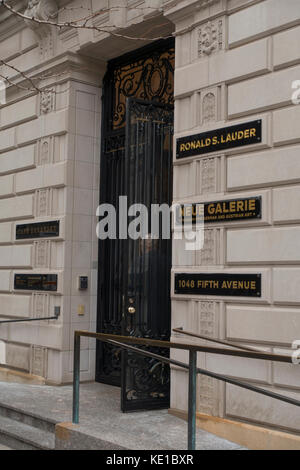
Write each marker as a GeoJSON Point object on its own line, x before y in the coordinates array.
{"type": "Point", "coordinates": [225, 285]}
{"type": "Point", "coordinates": [220, 211]}
{"type": "Point", "coordinates": [248, 133]}
{"type": "Point", "coordinates": [40, 282]}
{"type": "Point", "coordinates": [37, 230]}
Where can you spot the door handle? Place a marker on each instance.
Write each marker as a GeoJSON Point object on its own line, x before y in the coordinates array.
{"type": "Point", "coordinates": [131, 310]}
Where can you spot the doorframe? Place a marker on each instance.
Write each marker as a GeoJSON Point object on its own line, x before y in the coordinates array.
{"type": "Point", "coordinates": [107, 106]}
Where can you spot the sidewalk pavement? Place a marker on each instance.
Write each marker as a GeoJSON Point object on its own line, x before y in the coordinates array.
{"type": "Point", "coordinates": [100, 418]}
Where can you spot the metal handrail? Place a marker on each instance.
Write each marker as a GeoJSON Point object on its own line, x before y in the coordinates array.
{"type": "Point", "coordinates": [121, 341]}
{"type": "Point", "coordinates": [215, 340]}
{"type": "Point", "coordinates": [25, 320]}
{"type": "Point", "coordinates": [173, 345]}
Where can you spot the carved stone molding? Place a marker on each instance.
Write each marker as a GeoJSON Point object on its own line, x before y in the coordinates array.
{"type": "Point", "coordinates": [44, 151]}
{"type": "Point", "coordinates": [175, 8]}
{"type": "Point", "coordinates": [38, 360]}
{"type": "Point", "coordinates": [209, 255]}
{"type": "Point", "coordinates": [43, 10]}
{"type": "Point", "coordinates": [211, 37]}
{"type": "Point", "coordinates": [47, 46]}
{"type": "Point", "coordinates": [43, 199]}
{"type": "Point", "coordinates": [207, 396]}
{"type": "Point", "coordinates": [211, 108]}
{"type": "Point", "coordinates": [40, 304]}
{"type": "Point", "coordinates": [42, 254]}
{"type": "Point", "coordinates": [208, 387]}
{"type": "Point", "coordinates": [47, 101]}
{"type": "Point", "coordinates": [209, 175]}
{"type": "Point", "coordinates": [152, 7]}
{"type": "Point", "coordinates": [207, 316]}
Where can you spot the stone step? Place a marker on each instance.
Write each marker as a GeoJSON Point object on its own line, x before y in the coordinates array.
{"type": "Point", "coordinates": [28, 418]}
{"type": "Point", "coordinates": [4, 447]}
{"type": "Point", "coordinates": [19, 436]}
{"type": "Point", "coordinates": [102, 425]}
{"type": "Point", "coordinates": [15, 376]}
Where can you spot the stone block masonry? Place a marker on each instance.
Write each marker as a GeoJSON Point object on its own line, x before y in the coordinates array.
{"type": "Point", "coordinates": [236, 64]}
{"type": "Point", "coordinates": [236, 61]}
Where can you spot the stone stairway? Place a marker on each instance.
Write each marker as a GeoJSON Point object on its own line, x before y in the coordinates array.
{"type": "Point", "coordinates": [20, 430]}
{"type": "Point", "coordinates": [39, 417]}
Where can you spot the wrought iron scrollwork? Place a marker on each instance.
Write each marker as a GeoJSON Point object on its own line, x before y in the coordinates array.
{"type": "Point", "coordinates": [149, 79]}
{"type": "Point", "coordinates": [114, 143]}
{"type": "Point", "coordinates": [112, 355]}
{"type": "Point", "coordinates": [147, 378]}
{"type": "Point", "coordinates": [143, 112]}
{"type": "Point", "coordinates": [147, 76]}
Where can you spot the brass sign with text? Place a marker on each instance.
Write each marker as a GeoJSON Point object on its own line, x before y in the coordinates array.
{"type": "Point", "coordinates": [224, 285]}
{"type": "Point", "coordinates": [37, 230]}
{"type": "Point", "coordinates": [220, 211]}
{"type": "Point", "coordinates": [36, 282]}
{"type": "Point", "coordinates": [247, 133]}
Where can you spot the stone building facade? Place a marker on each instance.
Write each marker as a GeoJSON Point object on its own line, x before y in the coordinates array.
{"type": "Point", "coordinates": [235, 62]}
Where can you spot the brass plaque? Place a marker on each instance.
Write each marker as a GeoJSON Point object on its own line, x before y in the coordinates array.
{"type": "Point", "coordinates": [223, 285]}
{"type": "Point", "coordinates": [37, 230]}
{"type": "Point", "coordinates": [241, 135]}
{"type": "Point", "coordinates": [36, 282]}
{"type": "Point", "coordinates": [220, 211]}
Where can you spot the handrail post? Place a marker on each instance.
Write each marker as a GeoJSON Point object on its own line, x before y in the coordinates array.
{"type": "Point", "coordinates": [76, 379]}
{"type": "Point", "coordinates": [192, 400]}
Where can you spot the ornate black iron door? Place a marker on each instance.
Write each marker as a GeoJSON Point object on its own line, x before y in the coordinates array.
{"type": "Point", "coordinates": [127, 270]}
{"type": "Point", "coordinates": [147, 266]}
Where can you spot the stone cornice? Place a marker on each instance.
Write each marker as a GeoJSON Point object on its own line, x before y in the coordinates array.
{"type": "Point", "coordinates": [11, 24]}
{"type": "Point", "coordinates": [67, 66]}
{"type": "Point", "coordinates": [179, 9]}
{"type": "Point", "coordinates": [44, 10]}
{"type": "Point", "coordinates": [175, 9]}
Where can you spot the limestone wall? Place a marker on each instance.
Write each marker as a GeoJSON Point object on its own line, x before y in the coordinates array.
{"type": "Point", "coordinates": [236, 62]}
{"type": "Point", "coordinates": [49, 171]}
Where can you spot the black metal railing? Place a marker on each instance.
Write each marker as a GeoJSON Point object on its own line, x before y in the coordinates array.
{"type": "Point", "coordinates": [25, 320]}
{"type": "Point", "coordinates": [125, 342]}
{"type": "Point", "coordinates": [215, 340]}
